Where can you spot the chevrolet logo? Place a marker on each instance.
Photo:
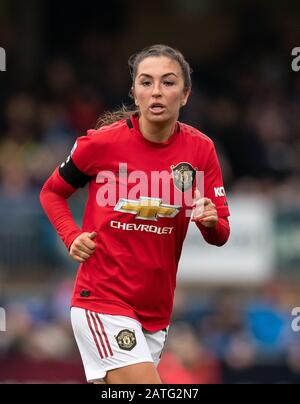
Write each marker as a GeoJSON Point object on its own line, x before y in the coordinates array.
{"type": "Point", "coordinates": [147, 208]}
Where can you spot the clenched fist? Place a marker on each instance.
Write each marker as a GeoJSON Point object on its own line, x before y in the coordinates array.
{"type": "Point", "coordinates": [83, 247]}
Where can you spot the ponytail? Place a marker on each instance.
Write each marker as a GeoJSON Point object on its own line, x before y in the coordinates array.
{"type": "Point", "coordinates": [110, 117]}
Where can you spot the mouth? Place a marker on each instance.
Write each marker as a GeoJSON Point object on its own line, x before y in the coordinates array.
{"type": "Point", "coordinates": [157, 108]}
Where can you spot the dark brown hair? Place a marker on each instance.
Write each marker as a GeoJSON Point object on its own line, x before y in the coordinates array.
{"type": "Point", "coordinates": [107, 118]}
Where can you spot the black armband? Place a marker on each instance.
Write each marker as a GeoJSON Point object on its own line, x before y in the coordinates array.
{"type": "Point", "coordinates": [72, 175]}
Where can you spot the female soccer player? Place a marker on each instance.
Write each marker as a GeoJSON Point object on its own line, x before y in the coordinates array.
{"type": "Point", "coordinates": [133, 229]}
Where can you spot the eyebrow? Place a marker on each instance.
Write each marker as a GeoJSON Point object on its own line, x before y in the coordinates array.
{"type": "Point", "coordinates": [164, 75]}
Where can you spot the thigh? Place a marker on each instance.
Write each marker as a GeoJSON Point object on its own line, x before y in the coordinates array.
{"type": "Point", "coordinates": [108, 343]}
{"type": "Point", "coordinates": [140, 373]}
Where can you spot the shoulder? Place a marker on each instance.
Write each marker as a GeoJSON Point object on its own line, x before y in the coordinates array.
{"type": "Point", "coordinates": [196, 136]}
{"type": "Point", "coordinates": [107, 134]}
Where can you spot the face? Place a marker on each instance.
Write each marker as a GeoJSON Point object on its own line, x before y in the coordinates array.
{"type": "Point", "coordinates": [159, 89]}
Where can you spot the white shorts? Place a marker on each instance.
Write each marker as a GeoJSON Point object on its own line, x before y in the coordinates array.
{"type": "Point", "coordinates": [109, 342]}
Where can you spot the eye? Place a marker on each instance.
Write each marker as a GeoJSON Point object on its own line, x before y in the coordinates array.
{"type": "Point", "coordinates": [169, 83]}
{"type": "Point", "coordinates": [146, 83]}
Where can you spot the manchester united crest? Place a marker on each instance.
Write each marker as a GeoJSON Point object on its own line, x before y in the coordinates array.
{"type": "Point", "coordinates": [126, 340]}
{"type": "Point", "coordinates": [183, 176]}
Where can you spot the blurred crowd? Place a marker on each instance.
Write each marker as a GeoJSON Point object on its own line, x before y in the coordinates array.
{"type": "Point", "coordinates": [245, 97]}
{"type": "Point", "coordinates": [253, 123]}
{"type": "Point", "coordinates": [222, 336]}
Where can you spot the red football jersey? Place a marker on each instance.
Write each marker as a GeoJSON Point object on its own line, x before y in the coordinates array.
{"type": "Point", "coordinates": [140, 232]}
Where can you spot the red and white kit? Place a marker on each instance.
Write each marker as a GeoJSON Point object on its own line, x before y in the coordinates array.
{"type": "Point", "coordinates": [133, 270]}
{"type": "Point", "coordinates": [109, 342]}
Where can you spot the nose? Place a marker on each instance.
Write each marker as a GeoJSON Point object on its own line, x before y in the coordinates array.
{"type": "Point", "coordinates": [156, 90]}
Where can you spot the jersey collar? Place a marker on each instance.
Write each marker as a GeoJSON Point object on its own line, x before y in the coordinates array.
{"type": "Point", "coordinates": [133, 124]}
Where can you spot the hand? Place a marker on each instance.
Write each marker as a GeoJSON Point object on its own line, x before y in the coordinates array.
{"type": "Point", "coordinates": [204, 211]}
{"type": "Point", "coordinates": [83, 247]}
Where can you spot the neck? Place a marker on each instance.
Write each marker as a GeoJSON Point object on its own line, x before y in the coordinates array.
{"type": "Point", "coordinates": [158, 132]}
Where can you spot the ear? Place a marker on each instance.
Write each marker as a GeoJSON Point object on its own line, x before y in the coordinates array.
{"type": "Point", "coordinates": [133, 96]}
{"type": "Point", "coordinates": [185, 97]}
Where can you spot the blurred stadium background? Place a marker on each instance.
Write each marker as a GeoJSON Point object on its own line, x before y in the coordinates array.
{"type": "Point", "coordinates": [68, 63]}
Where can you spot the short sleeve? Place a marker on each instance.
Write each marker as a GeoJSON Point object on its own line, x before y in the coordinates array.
{"type": "Point", "coordinates": [213, 183]}
{"type": "Point", "coordinates": [81, 165]}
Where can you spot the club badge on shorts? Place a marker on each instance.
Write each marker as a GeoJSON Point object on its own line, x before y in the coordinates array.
{"type": "Point", "coordinates": [126, 340]}
{"type": "Point", "coordinates": [183, 176]}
